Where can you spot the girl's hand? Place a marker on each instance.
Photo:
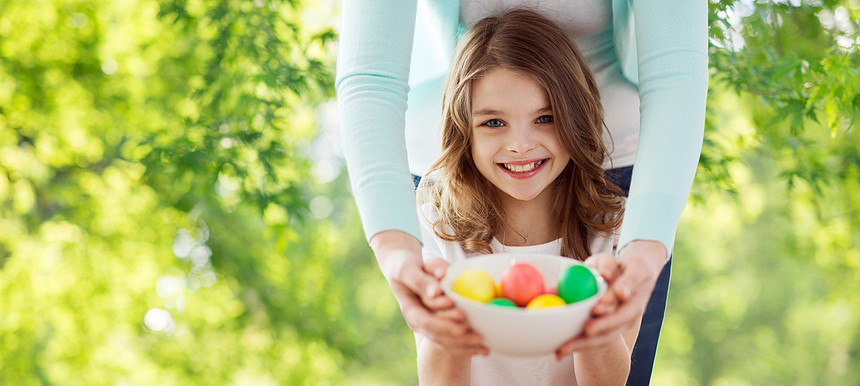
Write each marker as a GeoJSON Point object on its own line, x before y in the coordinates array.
{"type": "Point", "coordinates": [607, 266]}
{"type": "Point", "coordinates": [631, 280]}
{"type": "Point", "coordinates": [443, 306]}
{"type": "Point", "coordinates": [417, 291]}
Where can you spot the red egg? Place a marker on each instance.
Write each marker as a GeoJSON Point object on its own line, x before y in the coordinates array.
{"type": "Point", "coordinates": [521, 283]}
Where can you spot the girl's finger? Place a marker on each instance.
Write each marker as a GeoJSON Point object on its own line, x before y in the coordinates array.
{"type": "Point", "coordinates": [627, 314]}
{"type": "Point", "coordinates": [453, 314]}
{"type": "Point", "coordinates": [606, 304]}
{"type": "Point", "coordinates": [608, 267]}
{"type": "Point", "coordinates": [584, 343]}
{"type": "Point", "coordinates": [426, 323]}
{"type": "Point", "coordinates": [422, 320]}
{"type": "Point", "coordinates": [439, 303]}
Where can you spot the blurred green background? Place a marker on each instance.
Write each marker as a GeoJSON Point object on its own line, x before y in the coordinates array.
{"type": "Point", "coordinates": [174, 208]}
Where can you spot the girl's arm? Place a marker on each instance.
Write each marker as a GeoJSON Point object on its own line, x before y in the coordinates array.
{"type": "Point", "coordinates": [437, 366]}
{"type": "Point", "coordinates": [605, 365]}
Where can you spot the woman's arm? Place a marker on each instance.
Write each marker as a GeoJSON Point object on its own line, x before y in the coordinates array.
{"type": "Point", "coordinates": [372, 83]}
{"type": "Point", "coordinates": [375, 48]}
{"type": "Point", "coordinates": [671, 43]}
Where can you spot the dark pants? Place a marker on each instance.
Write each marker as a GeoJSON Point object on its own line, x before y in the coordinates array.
{"type": "Point", "coordinates": [642, 361]}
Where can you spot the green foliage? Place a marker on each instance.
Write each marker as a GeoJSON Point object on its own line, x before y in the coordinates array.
{"type": "Point", "coordinates": [800, 66]}
{"type": "Point", "coordinates": [764, 283]}
{"type": "Point", "coordinates": [154, 180]}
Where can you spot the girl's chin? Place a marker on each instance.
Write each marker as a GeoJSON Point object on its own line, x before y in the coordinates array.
{"type": "Point", "coordinates": [522, 196]}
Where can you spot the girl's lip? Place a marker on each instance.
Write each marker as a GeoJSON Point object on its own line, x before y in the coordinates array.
{"type": "Point", "coordinates": [523, 162]}
{"type": "Point", "coordinates": [523, 175]}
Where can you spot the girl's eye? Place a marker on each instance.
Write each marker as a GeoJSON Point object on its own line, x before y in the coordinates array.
{"type": "Point", "coordinates": [494, 123]}
{"type": "Point", "coordinates": [544, 119]}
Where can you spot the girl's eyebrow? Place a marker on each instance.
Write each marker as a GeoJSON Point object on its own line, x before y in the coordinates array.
{"type": "Point", "coordinates": [487, 112]}
{"type": "Point", "coordinates": [546, 109]}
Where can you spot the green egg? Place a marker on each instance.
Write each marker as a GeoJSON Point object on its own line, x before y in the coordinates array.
{"type": "Point", "coordinates": [502, 302]}
{"type": "Point", "coordinates": [576, 283]}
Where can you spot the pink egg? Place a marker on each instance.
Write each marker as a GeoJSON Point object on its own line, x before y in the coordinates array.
{"type": "Point", "coordinates": [551, 290]}
{"type": "Point", "coordinates": [521, 283]}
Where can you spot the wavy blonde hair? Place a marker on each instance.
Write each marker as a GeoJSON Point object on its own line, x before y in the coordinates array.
{"type": "Point", "coordinates": [468, 206]}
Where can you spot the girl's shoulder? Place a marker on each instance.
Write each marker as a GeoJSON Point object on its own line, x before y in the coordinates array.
{"type": "Point", "coordinates": [433, 245]}
{"type": "Point", "coordinates": [607, 243]}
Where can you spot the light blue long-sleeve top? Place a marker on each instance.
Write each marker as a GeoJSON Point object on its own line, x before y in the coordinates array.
{"type": "Point", "coordinates": [661, 46]}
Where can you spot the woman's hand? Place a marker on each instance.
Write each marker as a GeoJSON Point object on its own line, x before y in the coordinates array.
{"type": "Point", "coordinates": [425, 308]}
{"type": "Point", "coordinates": [631, 280]}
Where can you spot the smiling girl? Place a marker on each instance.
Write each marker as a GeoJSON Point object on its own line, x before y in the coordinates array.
{"type": "Point", "coordinates": [521, 170]}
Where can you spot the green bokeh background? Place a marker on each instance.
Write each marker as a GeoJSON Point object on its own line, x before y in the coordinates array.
{"type": "Point", "coordinates": [174, 209]}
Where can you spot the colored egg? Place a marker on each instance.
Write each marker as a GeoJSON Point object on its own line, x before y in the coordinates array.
{"type": "Point", "coordinates": [546, 301]}
{"type": "Point", "coordinates": [521, 283]}
{"type": "Point", "coordinates": [551, 290]}
{"type": "Point", "coordinates": [502, 302]}
{"type": "Point", "coordinates": [475, 284]}
{"type": "Point", "coordinates": [576, 283]}
{"type": "Point", "coordinates": [499, 290]}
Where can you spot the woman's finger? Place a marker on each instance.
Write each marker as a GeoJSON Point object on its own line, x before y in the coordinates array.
{"type": "Point", "coordinates": [419, 281]}
{"type": "Point", "coordinates": [436, 267]}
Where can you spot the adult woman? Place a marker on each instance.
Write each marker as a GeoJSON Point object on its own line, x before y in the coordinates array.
{"type": "Point", "coordinates": [663, 53]}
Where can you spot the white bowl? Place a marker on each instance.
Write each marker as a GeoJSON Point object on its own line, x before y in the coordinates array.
{"type": "Point", "coordinates": [517, 331]}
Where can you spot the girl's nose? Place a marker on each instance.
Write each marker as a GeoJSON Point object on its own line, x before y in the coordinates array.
{"type": "Point", "coordinates": [520, 140]}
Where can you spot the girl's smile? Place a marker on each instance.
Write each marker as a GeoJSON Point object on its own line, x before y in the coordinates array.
{"type": "Point", "coordinates": [523, 169]}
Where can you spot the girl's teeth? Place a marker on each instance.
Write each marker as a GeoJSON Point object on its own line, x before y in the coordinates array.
{"type": "Point", "coordinates": [523, 168]}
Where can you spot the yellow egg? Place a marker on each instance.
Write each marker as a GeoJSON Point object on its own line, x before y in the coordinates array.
{"type": "Point", "coordinates": [546, 301]}
{"type": "Point", "coordinates": [475, 284]}
{"type": "Point", "coordinates": [499, 290]}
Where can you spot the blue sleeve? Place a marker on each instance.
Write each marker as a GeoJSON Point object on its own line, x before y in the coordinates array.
{"type": "Point", "coordinates": [671, 45]}
{"type": "Point", "coordinates": [372, 84]}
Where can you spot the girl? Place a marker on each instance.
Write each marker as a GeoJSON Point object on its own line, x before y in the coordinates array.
{"type": "Point", "coordinates": [521, 170]}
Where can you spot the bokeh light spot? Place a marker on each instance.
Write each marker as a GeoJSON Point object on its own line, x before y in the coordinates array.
{"type": "Point", "coordinates": [78, 21]}
{"type": "Point", "coordinates": [321, 207]}
{"type": "Point", "coordinates": [109, 66]}
{"type": "Point", "coordinates": [169, 286]}
{"type": "Point", "coordinates": [183, 244]}
{"type": "Point", "coordinates": [159, 320]}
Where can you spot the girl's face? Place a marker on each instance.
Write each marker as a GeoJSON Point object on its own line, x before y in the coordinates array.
{"type": "Point", "coordinates": [514, 141]}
